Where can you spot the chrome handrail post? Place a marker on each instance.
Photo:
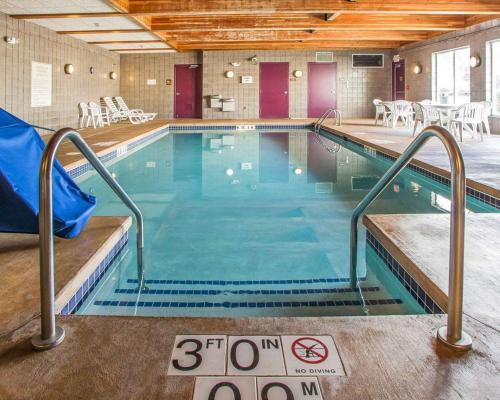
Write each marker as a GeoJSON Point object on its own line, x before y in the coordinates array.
{"type": "Point", "coordinates": [52, 335]}
{"type": "Point", "coordinates": [452, 334]}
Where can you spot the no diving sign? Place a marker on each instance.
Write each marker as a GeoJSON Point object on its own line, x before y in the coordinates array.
{"type": "Point", "coordinates": [311, 356]}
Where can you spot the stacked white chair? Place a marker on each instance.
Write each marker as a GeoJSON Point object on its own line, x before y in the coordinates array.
{"type": "Point", "coordinates": [115, 115]}
{"type": "Point", "coordinates": [470, 117]}
{"type": "Point", "coordinates": [486, 115]}
{"type": "Point", "coordinates": [84, 118]}
{"type": "Point", "coordinates": [96, 115]}
{"type": "Point", "coordinates": [122, 106]}
{"type": "Point", "coordinates": [425, 115]}
{"type": "Point", "coordinates": [402, 110]}
{"type": "Point", "coordinates": [381, 111]}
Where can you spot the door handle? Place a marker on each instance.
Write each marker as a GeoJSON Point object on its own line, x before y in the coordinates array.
{"type": "Point", "coordinates": [285, 92]}
{"type": "Point", "coordinates": [177, 94]}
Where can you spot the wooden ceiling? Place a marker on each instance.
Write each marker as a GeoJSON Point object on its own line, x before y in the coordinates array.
{"type": "Point", "coordinates": [288, 24]}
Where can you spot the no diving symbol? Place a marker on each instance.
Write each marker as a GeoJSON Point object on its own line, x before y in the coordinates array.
{"type": "Point", "coordinates": [309, 350]}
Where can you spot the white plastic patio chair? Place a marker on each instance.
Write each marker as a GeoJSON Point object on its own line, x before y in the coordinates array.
{"type": "Point", "coordinates": [83, 115]}
{"type": "Point", "coordinates": [380, 111]}
{"type": "Point", "coordinates": [402, 110]}
{"type": "Point", "coordinates": [95, 115]}
{"type": "Point", "coordinates": [467, 117]}
{"type": "Point", "coordinates": [425, 115]}
{"type": "Point", "coordinates": [122, 106]}
{"type": "Point", "coordinates": [486, 115]}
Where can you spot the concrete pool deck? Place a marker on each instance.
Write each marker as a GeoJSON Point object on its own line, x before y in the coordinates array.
{"type": "Point", "coordinates": [127, 358]}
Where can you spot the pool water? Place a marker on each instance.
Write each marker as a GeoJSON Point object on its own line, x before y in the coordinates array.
{"type": "Point", "coordinates": [254, 224]}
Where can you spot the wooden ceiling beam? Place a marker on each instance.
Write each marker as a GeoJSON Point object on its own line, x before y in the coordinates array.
{"type": "Point", "coordinates": [227, 7]}
{"type": "Point", "coordinates": [342, 22]}
{"type": "Point", "coordinates": [226, 36]}
{"type": "Point", "coordinates": [331, 17]}
{"type": "Point", "coordinates": [158, 50]}
{"type": "Point", "coordinates": [144, 21]}
{"type": "Point", "coordinates": [291, 45]}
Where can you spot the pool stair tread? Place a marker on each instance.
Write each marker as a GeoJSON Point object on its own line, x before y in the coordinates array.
{"type": "Point", "coordinates": [216, 282]}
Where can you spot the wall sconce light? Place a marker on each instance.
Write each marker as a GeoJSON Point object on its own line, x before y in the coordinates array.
{"type": "Point", "coordinates": [417, 69]}
{"type": "Point", "coordinates": [229, 74]}
{"type": "Point", "coordinates": [69, 69]}
{"type": "Point", "coordinates": [11, 40]}
{"type": "Point", "coordinates": [92, 70]}
{"type": "Point", "coordinates": [113, 75]}
{"type": "Point", "coordinates": [298, 73]}
{"type": "Point", "coordinates": [475, 61]}
{"type": "Point", "coordinates": [229, 172]}
{"type": "Point", "coordinates": [297, 171]}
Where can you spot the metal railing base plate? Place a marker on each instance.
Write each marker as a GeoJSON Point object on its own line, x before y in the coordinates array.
{"type": "Point", "coordinates": [464, 344]}
{"type": "Point", "coordinates": [45, 344]}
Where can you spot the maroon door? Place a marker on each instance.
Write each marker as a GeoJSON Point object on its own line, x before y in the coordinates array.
{"type": "Point", "coordinates": [187, 102]}
{"type": "Point", "coordinates": [274, 90]}
{"type": "Point", "coordinates": [321, 88]}
{"type": "Point", "coordinates": [398, 80]}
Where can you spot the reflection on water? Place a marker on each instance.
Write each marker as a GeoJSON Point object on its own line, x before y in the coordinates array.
{"type": "Point", "coordinates": [250, 212]}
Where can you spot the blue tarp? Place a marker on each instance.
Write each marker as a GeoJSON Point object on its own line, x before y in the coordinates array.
{"type": "Point", "coordinates": [21, 151]}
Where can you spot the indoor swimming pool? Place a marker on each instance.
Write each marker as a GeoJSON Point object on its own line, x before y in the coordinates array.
{"type": "Point", "coordinates": [255, 223]}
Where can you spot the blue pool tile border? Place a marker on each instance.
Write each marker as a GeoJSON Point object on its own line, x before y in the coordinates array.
{"type": "Point", "coordinates": [195, 292]}
{"type": "Point", "coordinates": [86, 167]}
{"type": "Point", "coordinates": [243, 304]}
{"type": "Point", "coordinates": [91, 282]}
{"type": "Point", "coordinates": [248, 282]}
{"type": "Point", "coordinates": [417, 292]}
{"type": "Point", "coordinates": [475, 194]}
{"type": "Point", "coordinates": [236, 127]}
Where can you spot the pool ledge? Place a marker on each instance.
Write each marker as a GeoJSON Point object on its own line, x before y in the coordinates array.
{"type": "Point", "coordinates": [19, 267]}
{"type": "Point", "coordinates": [420, 243]}
{"type": "Point", "coordinates": [391, 357]}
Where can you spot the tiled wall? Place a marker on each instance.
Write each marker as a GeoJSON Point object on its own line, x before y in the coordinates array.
{"type": "Point", "coordinates": [420, 86]}
{"type": "Point", "coordinates": [37, 43]}
{"type": "Point", "coordinates": [136, 69]}
{"type": "Point", "coordinates": [356, 88]}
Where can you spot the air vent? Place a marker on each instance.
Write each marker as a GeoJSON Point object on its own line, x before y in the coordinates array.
{"type": "Point", "coordinates": [368, 61]}
{"type": "Point", "coordinates": [324, 57]}
{"type": "Point", "coordinates": [324, 187]}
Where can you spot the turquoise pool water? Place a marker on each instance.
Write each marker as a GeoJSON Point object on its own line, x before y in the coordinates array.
{"type": "Point", "coordinates": [254, 224]}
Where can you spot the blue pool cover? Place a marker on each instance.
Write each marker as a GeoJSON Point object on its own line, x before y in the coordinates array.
{"type": "Point", "coordinates": [21, 151]}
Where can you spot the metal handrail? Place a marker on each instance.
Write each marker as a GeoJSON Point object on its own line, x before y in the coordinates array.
{"type": "Point", "coordinates": [452, 334]}
{"type": "Point", "coordinates": [52, 335]}
{"type": "Point", "coordinates": [337, 116]}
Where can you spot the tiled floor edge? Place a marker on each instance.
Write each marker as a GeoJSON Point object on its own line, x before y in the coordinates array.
{"type": "Point", "coordinates": [406, 279]}
{"type": "Point", "coordinates": [474, 193]}
{"type": "Point", "coordinates": [77, 289]}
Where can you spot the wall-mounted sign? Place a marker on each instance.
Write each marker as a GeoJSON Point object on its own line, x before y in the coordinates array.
{"type": "Point", "coordinates": [247, 79]}
{"type": "Point", "coordinates": [151, 82]}
{"type": "Point", "coordinates": [168, 82]}
{"type": "Point", "coordinates": [41, 84]}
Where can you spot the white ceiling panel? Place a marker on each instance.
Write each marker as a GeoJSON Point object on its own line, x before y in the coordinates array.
{"type": "Point", "coordinates": [135, 46]}
{"type": "Point", "coordinates": [82, 24]}
{"type": "Point", "coordinates": [102, 37]}
{"type": "Point", "coordinates": [12, 7]}
{"type": "Point", "coordinates": [148, 52]}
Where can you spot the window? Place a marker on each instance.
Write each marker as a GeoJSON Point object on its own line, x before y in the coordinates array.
{"type": "Point", "coordinates": [451, 76]}
{"type": "Point", "coordinates": [493, 75]}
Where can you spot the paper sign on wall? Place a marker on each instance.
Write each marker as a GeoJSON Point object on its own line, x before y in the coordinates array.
{"type": "Point", "coordinates": [41, 84]}
{"type": "Point", "coordinates": [151, 82]}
